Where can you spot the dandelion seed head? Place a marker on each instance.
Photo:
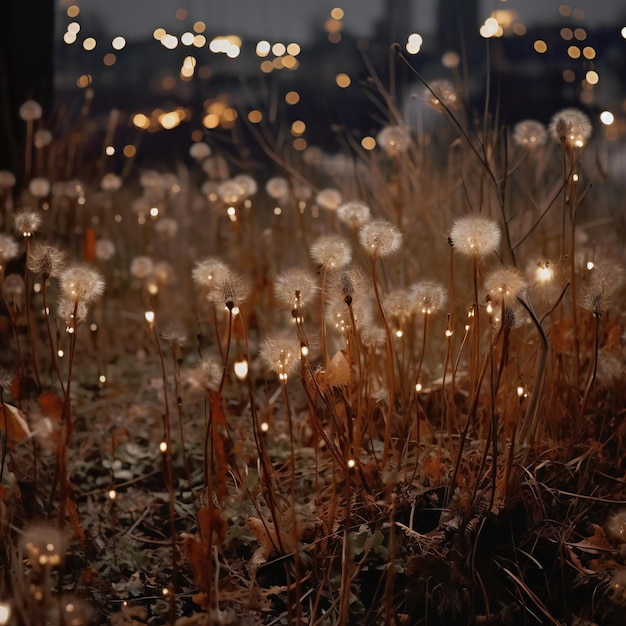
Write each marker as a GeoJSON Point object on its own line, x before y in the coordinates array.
{"type": "Point", "coordinates": [111, 182]}
{"type": "Point", "coordinates": [373, 335]}
{"type": "Point", "coordinates": [295, 286]}
{"type": "Point", "coordinates": [397, 303]}
{"type": "Point", "coordinates": [394, 140]}
{"type": "Point", "coordinates": [13, 288]}
{"type": "Point", "coordinates": [141, 267]}
{"type": "Point", "coordinates": [42, 138]}
{"type": "Point", "coordinates": [167, 227]}
{"type": "Point", "coordinates": [444, 93]}
{"type": "Point", "coordinates": [105, 249]}
{"type": "Point", "coordinates": [9, 248]}
{"type": "Point", "coordinates": [338, 315]}
{"type": "Point", "coordinates": [504, 284]}
{"type": "Point", "coordinates": [199, 150]}
{"type": "Point", "coordinates": [246, 185]}
{"type": "Point", "coordinates": [530, 134]}
{"type": "Point", "coordinates": [39, 187]}
{"type": "Point", "coordinates": [44, 546]}
{"type": "Point", "coordinates": [280, 354]}
{"type": "Point", "coordinates": [571, 127]}
{"type": "Point", "coordinates": [617, 587]}
{"type": "Point", "coordinates": [207, 374]}
{"type": "Point", "coordinates": [151, 179]}
{"type": "Point", "coordinates": [27, 222]}
{"type": "Point", "coordinates": [45, 259]}
{"type": "Point", "coordinates": [81, 283]}
{"type": "Point", "coordinates": [277, 187]}
{"type": "Point", "coordinates": [599, 286]}
{"type": "Point", "coordinates": [7, 179]}
{"type": "Point", "coordinates": [301, 191]}
{"type": "Point", "coordinates": [174, 333]}
{"type": "Point", "coordinates": [513, 315]}
{"type": "Point", "coordinates": [428, 297]}
{"type": "Point", "coordinates": [354, 214]}
{"type": "Point", "coordinates": [380, 238]}
{"type": "Point", "coordinates": [229, 192]}
{"type": "Point", "coordinates": [475, 236]}
{"type": "Point", "coordinates": [329, 199]}
{"type": "Point", "coordinates": [331, 251]}
{"type": "Point", "coordinates": [231, 291]}
{"type": "Point", "coordinates": [216, 167]}
{"type": "Point", "coordinates": [348, 285]}
{"type": "Point", "coordinates": [30, 111]}
{"type": "Point", "coordinates": [164, 273]}
{"type": "Point", "coordinates": [72, 313]}
{"type": "Point", "coordinates": [209, 272]}
{"type": "Point", "coordinates": [616, 525]}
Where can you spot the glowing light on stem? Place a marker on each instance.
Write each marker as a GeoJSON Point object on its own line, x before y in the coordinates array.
{"type": "Point", "coordinates": [241, 369]}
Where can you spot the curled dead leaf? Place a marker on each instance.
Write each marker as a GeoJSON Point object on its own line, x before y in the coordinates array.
{"type": "Point", "coordinates": [13, 425]}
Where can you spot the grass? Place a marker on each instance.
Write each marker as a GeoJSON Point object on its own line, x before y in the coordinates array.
{"type": "Point", "coordinates": [282, 410]}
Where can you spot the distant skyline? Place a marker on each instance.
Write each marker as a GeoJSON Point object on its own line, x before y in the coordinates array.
{"type": "Point", "coordinates": [298, 20]}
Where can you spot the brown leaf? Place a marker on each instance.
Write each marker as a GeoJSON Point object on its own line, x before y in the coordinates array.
{"type": "Point", "coordinates": [50, 404]}
{"type": "Point", "coordinates": [594, 543]}
{"type": "Point", "coordinates": [262, 534]}
{"type": "Point", "coordinates": [13, 425]}
{"type": "Point", "coordinates": [338, 371]}
{"type": "Point", "coordinates": [213, 525]}
{"type": "Point", "coordinates": [200, 564]}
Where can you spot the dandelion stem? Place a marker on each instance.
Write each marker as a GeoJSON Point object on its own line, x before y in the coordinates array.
{"type": "Point", "coordinates": [169, 475]}
{"type": "Point", "coordinates": [592, 376]}
{"type": "Point", "coordinates": [390, 376]}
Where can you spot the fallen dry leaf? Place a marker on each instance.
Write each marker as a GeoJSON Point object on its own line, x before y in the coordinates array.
{"type": "Point", "coordinates": [13, 425]}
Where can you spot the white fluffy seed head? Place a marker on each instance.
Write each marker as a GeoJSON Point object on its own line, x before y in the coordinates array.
{"type": "Point", "coordinates": [571, 127]}
{"type": "Point", "coordinates": [504, 284]}
{"type": "Point", "coordinates": [141, 267]}
{"type": "Point", "coordinates": [207, 374]}
{"type": "Point", "coordinates": [428, 297]}
{"type": "Point", "coordinates": [616, 526]}
{"type": "Point", "coordinates": [599, 285]}
{"type": "Point", "coordinates": [380, 238]}
{"type": "Point", "coordinates": [443, 93]}
{"type": "Point", "coordinates": [331, 252]}
{"type": "Point", "coordinates": [45, 259]}
{"type": "Point", "coordinates": [209, 272]}
{"type": "Point", "coordinates": [394, 140]}
{"type": "Point", "coordinates": [281, 354]}
{"type": "Point", "coordinates": [81, 283]}
{"type": "Point", "coordinates": [354, 214]}
{"type": "Point", "coordinates": [475, 236]}
{"type": "Point", "coordinates": [295, 287]}
{"type": "Point", "coordinates": [8, 248]}
{"type": "Point", "coordinates": [329, 199]}
{"type": "Point", "coordinates": [530, 134]}
{"type": "Point", "coordinates": [27, 222]}
{"type": "Point", "coordinates": [105, 249]}
{"type": "Point", "coordinates": [30, 111]}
